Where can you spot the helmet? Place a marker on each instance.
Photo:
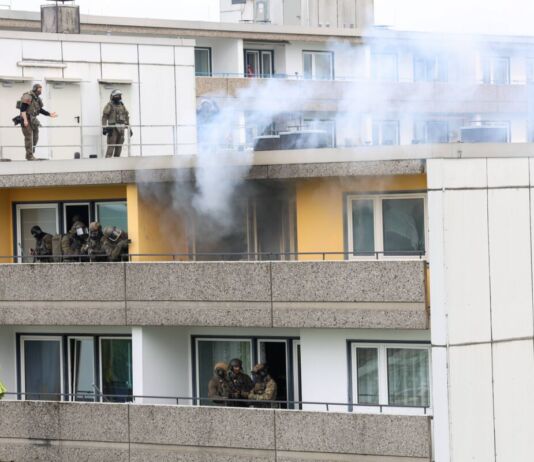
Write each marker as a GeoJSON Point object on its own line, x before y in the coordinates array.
{"type": "Point", "coordinates": [36, 86]}
{"type": "Point", "coordinates": [236, 363]}
{"type": "Point", "coordinates": [260, 367]}
{"type": "Point", "coordinates": [112, 233]}
{"type": "Point", "coordinates": [95, 230]}
{"type": "Point", "coordinates": [36, 231]}
{"type": "Point", "coordinates": [220, 365]}
{"type": "Point", "coordinates": [116, 95]}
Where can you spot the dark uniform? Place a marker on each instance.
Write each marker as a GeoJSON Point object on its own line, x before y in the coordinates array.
{"type": "Point", "coordinates": [115, 113]}
{"type": "Point", "coordinates": [218, 386]}
{"type": "Point", "coordinates": [115, 243]}
{"type": "Point", "coordinates": [240, 383]}
{"type": "Point", "coordinates": [265, 388]}
{"type": "Point", "coordinates": [43, 245]}
{"type": "Point", "coordinates": [32, 104]}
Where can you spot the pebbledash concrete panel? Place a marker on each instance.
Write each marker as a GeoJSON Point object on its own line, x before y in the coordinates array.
{"type": "Point", "coordinates": [202, 426]}
{"type": "Point", "coordinates": [381, 435]}
{"type": "Point", "coordinates": [192, 313]}
{"type": "Point", "coordinates": [65, 431]}
{"type": "Point", "coordinates": [346, 281]}
{"type": "Point", "coordinates": [198, 281]}
{"type": "Point", "coordinates": [62, 282]}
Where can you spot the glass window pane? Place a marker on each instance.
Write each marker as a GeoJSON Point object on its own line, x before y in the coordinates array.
{"type": "Point", "coordinates": [252, 63]}
{"type": "Point", "coordinates": [500, 71]}
{"type": "Point", "coordinates": [363, 228]}
{"type": "Point", "coordinates": [323, 66]}
{"type": "Point", "coordinates": [46, 218]}
{"type": "Point", "coordinates": [390, 133]}
{"type": "Point", "coordinates": [82, 367]}
{"type": "Point", "coordinates": [42, 369]}
{"type": "Point", "coordinates": [266, 64]}
{"type": "Point", "coordinates": [367, 375]}
{"type": "Point", "coordinates": [404, 226]}
{"type": "Point", "coordinates": [112, 214]}
{"type": "Point", "coordinates": [308, 67]}
{"type": "Point", "coordinates": [210, 352]}
{"type": "Point", "coordinates": [437, 131]}
{"type": "Point", "coordinates": [202, 62]}
{"type": "Point", "coordinates": [116, 367]}
{"type": "Point", "coordinates": [408, 382]}
{"type": "Point", "coordinates": [419, 70]}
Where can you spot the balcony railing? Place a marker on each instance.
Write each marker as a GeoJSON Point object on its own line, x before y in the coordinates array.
{"type": "Point", "coordinates": [87, 141]}
{"type": "Point", "coordinates": [97, 396]}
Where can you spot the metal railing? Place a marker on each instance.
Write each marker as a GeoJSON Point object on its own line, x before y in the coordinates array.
{"type": "Point", "coordinates": [225, 256]}
{"type": "Point", "coordinates": [87, 141]}
{"type": "Point", "coordinates": [219, 401]}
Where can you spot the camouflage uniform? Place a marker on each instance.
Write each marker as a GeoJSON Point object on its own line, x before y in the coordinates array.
{"type": "Point", "coordinates": [71, 244]}
{"type": "Point", "coordinates": [43, 247]}
{"type": "Point", "coordinates": [240, 385]}
{"type": "Point", "coordinates": [94, 247]}
{"type": "Point", "coordinates": [218, 386]}
{"type": "Point", "coordinates": [31, 132]}
{"type": "Point", "coordinates": [115, 113]}
{"type": "Point", "coordinates": [265, 388]}
{"type": "Point", "coordinates": [115, 249]}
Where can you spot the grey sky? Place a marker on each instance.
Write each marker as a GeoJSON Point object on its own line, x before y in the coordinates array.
{"type": "Point", "coordinates": [475, 16]}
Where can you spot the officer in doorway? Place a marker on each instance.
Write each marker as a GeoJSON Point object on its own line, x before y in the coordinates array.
{"type": "Point", "coordinates": [264, 386]}
{"type": "Point", "coordinates": [240, 383]}
{"type": "Point", "coordinates": [31, 106]}
{"type": "Point", "coordinates": [115, 119]}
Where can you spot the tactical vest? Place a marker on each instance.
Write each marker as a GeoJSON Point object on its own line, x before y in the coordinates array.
{"type": "Point", "coordinates": [116, 114]}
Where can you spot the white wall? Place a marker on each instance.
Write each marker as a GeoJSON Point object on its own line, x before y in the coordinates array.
{"type": "Point", "coordinates": [480, 220]}
{"type": "Point", "coordinates": [156, 70]}
{"type": "Point", "coordinates": [226, 55]}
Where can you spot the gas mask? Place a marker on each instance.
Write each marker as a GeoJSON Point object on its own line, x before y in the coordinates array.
{"type": "Point", "coordinates": [95, 235]}
{"type": "Point", "coordinates": [81, 232]}
{"type": "Point", "coordinates": [221, 373]}
{"type": "Point", "coordinates": [116, 233]}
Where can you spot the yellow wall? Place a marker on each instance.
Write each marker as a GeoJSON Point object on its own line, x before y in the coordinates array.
{"type": "Point", "coordinates": [154, 228]}
{"type": "Point", "coordinates": [320, 208]}
{"type": "Point", "coordinates": [71, 193]}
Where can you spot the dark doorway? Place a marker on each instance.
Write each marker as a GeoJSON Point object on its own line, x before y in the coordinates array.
{"type": "Point", "coordinates": [274, 354]}
{"type": "Point", "coordinates": [75, 210]}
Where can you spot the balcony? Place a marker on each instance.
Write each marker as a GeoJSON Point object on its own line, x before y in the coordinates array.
{"type": "Point", "coordinates": [298, 294]}
{"type": "Point", "coordinates": [60, 431]}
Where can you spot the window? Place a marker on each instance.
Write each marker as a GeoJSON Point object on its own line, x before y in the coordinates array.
{"type": "Point", "coordinates": [259, 63]}
{"type": "Point", "coordinates": [530, 70]}
{"type": "Point", "coordinates": [46, 216]}
{"type": "Point", "coordinates": [431, 131]}
{"type": "Point", "coordinates": [328, 126]}
{"type": "Point", "coordinates": [495, 70]}
{"type": "Point", "coordinates": [73, 212]}
{"type": "Point", "coordinates": [273, 351]}
{"type": "Point", "coordinates": [202, 62]}
{"type": "Point", "coordinates": [385, 132]}
{"type": "Point", "coordinates": [318, 65]}
{"type": "Point", "coordinates": [389, 225]}
{"type": "Point", "coordinates": [112, 214]}
{"type": "Point", "coordinates": [384, 67]}
{"type": "Point", "coordinates": [43, 366]}
{"type": "Point", "coordinates": [392, 375]}
{"type": "Point", "coordinates": [430, 69]}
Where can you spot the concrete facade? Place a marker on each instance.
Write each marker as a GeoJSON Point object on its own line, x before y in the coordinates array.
{"type": "Point", "coordinates": [103, 432]}
{"type": "Point", "coordinates": [235, 294]}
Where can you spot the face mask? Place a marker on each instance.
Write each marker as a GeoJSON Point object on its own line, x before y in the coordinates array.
{"type": "Point", "coordinates": [115, 234]}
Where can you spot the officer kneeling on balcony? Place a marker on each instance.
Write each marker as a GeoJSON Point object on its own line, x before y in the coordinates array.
{"type": "Point", "coordinates": [264, 386]}
{"type": "Point", "coordinates": [115, 243]}
{"type": "Point", "coordinates": [43, 245]}
{"type": "Point", "coordinates": [94, 247]}
{"type": "Point", "coordinates": [73, 243]}
{"type": "Point", "coordinates": [115, 118]}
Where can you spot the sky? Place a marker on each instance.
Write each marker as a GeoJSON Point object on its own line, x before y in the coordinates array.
{"type": "Point", "coordinates": [514, 17]}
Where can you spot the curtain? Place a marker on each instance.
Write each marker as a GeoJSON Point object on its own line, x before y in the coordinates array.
{"type": "Point", "coordinates": [408, 377]}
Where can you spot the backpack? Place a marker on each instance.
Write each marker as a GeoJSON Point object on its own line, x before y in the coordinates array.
{"type": "Point", "coordinates": [57, 251]}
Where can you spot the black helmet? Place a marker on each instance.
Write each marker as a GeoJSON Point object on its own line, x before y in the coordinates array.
{"type": "Point", "coordinates": [36, 231]}
{"type": "Point", "coordinates": [236, 362]}
{"type": "Point", "coordinates": [116, 95]}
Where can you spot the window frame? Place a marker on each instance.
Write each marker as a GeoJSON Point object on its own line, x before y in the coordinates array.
{"type": "Point", "coordinates": [313, 54]}
{"type": "Point", "coordinates": [98, 340]}
{"type": "Point", "coordinates": [375, 74]}
{"type": "Point", "coordinates": [491, 62]}
{"type": "Point", "coordinates": [70, 371]}
{"type": "Point", "coordinates": [438, 61]}
{"type": "Point", "coordinates": [425, 128]}
{"type": "Point", "coordinates": [377, 199]}
{"type": "Point", "coordinates": [383, 382]}
{"type": "Point", "coordinates": [380, 123]}
{"type": "Point", "coordinates": [22, 363]}
{"type": "Point", "coordinates": [210, 63]}
{"type": "Point", "coordinates": [260, 53]}
{"type": "Point", "coordinates": [97, 203]}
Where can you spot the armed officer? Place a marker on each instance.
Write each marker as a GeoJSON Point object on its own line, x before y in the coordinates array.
{"type": "Point", "coordinates": [115, 118]}
{"type": "Point", "coordinates": [240, 383]}
{"type": "Point", "coordinates": [31, 105]}
{"type": "Point", "coordinates": [115, 243]}
{"type": "Point", "coordinates": [94, 247]}
{"type": "Point", "coordinates": [43, 245]}
{"type": "Point", "coordinates": [218, 386]}
{"type": "Point", "coordinates": [264, 386]}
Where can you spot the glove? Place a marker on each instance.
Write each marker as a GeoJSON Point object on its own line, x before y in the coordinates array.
{"type": "Point", "coordinates": [105, 131]}
{"type": "Point", "coordinates": [131, 133]}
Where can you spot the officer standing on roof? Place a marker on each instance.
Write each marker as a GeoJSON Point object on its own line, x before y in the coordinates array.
{"type": "Point", "coordinates": [31, 105]}
{"type": "Point", "coordinates": [115, 118]}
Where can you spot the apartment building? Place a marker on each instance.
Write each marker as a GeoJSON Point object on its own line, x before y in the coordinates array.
{"type": "Point", "coordinates": [357, 213]}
